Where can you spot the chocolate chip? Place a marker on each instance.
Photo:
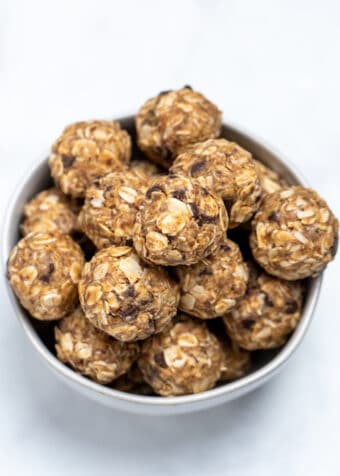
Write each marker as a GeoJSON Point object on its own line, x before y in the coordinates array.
{"type": "Point", "coordinates": [160, 360]}
{"type": "Point", "coordinates": [225, 247]}
{"type": "Point", "coordinates": [128, 313]}
{"type": "Point", "coordinates": [187, 86]}
{"type": "Point", "coordinates": [228, 203]}
{"type": "Point", "coordinates": [129, 242]}
{"type": "Point", "coordinates": [197, 167]}
{"type": "Point", "coordinates": [151, 119]}
{"type": "Point", "coordinates": [45, 278]}
{"type": "Point", "coordinates": [67, 161]}
{"type": "Point", "coordinates": [205, 192]}
{"type": "Point", "coordinates": [179, 194]}
{"type": "Point", "coordinates": [164, 92]}
{"type": "Point", "coordinates": [194, 210]}
{"type": "Point", "coordinates": [206, 219]}
{"type": "Point", "coordinates": [274, 216]}
{"type": "Point", "coordinates": [154, 188]}
{"type": "Point", "coordinates": [334, 247]}
{"type": "Point", "coordinates": [129, 292]}
{"type": "Point", "coordinates": [248, 323]}
{"type": "Point", "coordinates": [268, 302]}
{"type": "Point", "coordinates": [109, 187]}
{"type": "Point", "coordinates": [291, 307]}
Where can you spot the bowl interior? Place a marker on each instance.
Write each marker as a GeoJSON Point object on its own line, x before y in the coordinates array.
{"type": "Point", "coordinates": [41, 333]}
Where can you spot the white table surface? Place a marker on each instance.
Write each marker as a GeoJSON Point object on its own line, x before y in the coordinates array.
{"type": "Point", "coordinates": [272, 67]}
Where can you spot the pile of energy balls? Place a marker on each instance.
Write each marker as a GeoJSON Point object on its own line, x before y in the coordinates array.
{"type": "Point", "coordinates": [166, 303]}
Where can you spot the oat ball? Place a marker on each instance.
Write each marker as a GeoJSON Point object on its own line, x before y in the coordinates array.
{"type": "Point", "coordinates": [294, 234]}
{"type": "Point", "coordinates": [212, 287]}
{"type": "Point", "coordinates": [179, 222]}
{"type": "Point", "coordinates": [90, 351]}
{"type": "Point", "coordinates": [236, 362]}
{"type": "Point", "coordinates": [86, 150]}
{"type": "Point", "coordinates": [227, 170]}
{"type": "Point", "coordinates": [269, 179]}
{"type": "Point", "coordinates": [49, 212]}
{"type": "Point", "coordinates": [133, 382]}
{"type": "Point", "coordinates": [174, 119]}
{"type": "Point", "coordinates": [44, 270]}
{"type": "Point", "coordinates": [268, 312]}
{"type": "Point", "coordinates": [185, 359]}
{"type": "Point", "coordinates": [125, 297]}
{"type": "Point", "coordinates": [109, 213]}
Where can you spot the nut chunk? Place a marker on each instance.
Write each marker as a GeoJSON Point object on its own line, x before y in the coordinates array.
{"type": "Point", "coordinates": [294, 234]}
{"type": "Point", "coordinates": [90, 351]}
{"type": "Point", "coordinates": [44, 270]}
{"type": "Point", "coordinates": [86, 150]}
{"type": "Point", "coordinates": [179, 222]}
{"type": "Point", "coordinates": [236, 362]}
{"type": "Point", "coordinates": [226, 170]}
{"type": "Point", "coordinates": [49, 212]}
{"type": "Point", "coordinates": [109, 213]}
{"type": "Point", "coordinates": [174, 119]}
{"type": "Point", "coordinates": [124, 297]}
{"type": "Point", "coordinates": [212, 287]}
{"type": "Point", "coordinates": [265, 316]}
{"type": "Point", "coordinates": [187, 358]}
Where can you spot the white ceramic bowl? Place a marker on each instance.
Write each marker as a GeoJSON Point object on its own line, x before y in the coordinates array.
{"type": "Point", "coordinates": [268, 363]}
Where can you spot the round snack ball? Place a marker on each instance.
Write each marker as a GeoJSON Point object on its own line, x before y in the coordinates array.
{"type": "Point", "coordinates": [174, 119]}
{"type": "Point", "coordinates": [184, 359]}
{"type": "Point", "coordinates": [44, 270]}
{"type": "Point", "coordinates": [179, 222]}
{"type": "Point", "coordinates": [125, 297]}
{"type": "Point", "coordinates": [236, 362]}
{"type": "Point", "coordinates": [269, 179]}
{"type": "Point", "coordinates": [212, 287]}
{"type": "Point", "coordinates": [90, 351]}
{"type": "Point", "coordinates": [268, 312]}
{"type": "Point", "coordinates": [133, 382]}
{"type": "Point", "coordinates": [49, 212]}
{"type": "Point", "coordinates": [109, 213]}
{"type": "Point", "coordinates": [86, 150]}
{"type": "Point", "coordinates": [226, 170]}
{"type": "Point", "coordinates": [294, 234]}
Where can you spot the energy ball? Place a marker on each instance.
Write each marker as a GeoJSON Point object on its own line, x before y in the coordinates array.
{"type": "Point", "coordinates": [236, 362]}
{"type": "Point", "coordinates": [179, 222]}
{"type": "Point", "coordinates": [109, 213]}
{"type": "Point", "coordinates": [174, 119]}
{"type": "Point", "coordinates": [86, 150]}
{"type": "Point", "coordinates": [294, 234]}
{"type": "Point", "coordinates": [227, 170]}
{"type": "Point", "coordinates": [49, 212]}
{"type": "Point", "coordinates": [44, 270]}
{"type": "Point", "coordinates": [125, 297]}
{"type": "Point", "coordinates": [185, 359]}
{"type": "Point", "coordinates": [268, 312]}
{"type": "Point", "coordinates": [90, 351]}
{"type": "Point", "coordinates": [212, 287]}
{"type": "Point", "coordinates": [269, 179]}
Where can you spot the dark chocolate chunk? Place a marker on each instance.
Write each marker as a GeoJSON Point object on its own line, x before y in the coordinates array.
{"type": "Point", "coordinates": [187, 86]}
{"type": "Point", "coordinates": [164, 92]}
{"type": "Point", "coordinates": [159, 359]}
{"type": "Point", "coordinates": [268, 302]}
{"type": "Point", "coordinates": [291, 307]}
{"type": "Point", "coordinates": [67, 161]}
{"type": "Point", "coordinates": [45, 278]}
{"type": "Point", "coordinates": [248, 323]}
{"type": "Point", "coordinates": [154, 188]}
{"type": "Point", "coordinates": [225, 247]}
{"type": "Point", "coordinates": [197, 167]}
{"type": "Point", "coordinates": [179, 194]}
{"type": "Point", "coordinates": [129, 312]}
{"type": "Point", "coordinates": [274, 216]}
{"type": "Point", "coordinates": [129, 292]}
{"type": "Point", "coordinates": [206, 219]}
{"type": "Point", "coordinates": [334, 247]}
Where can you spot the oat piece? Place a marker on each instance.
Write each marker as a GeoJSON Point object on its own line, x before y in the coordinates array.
{"type": "Point", "coordinates": [236, 362]}
{"type": "Point", "coordinates": [44, 270]}
{"type": "Point", "coordinates": [185, 359]}
{"type": "Point", "coordinates": [174, 119]}
{"type": "Point", "coordinates": [48, 212]}
{"type": "Point", "coordinates": [109, 213]}
{"type": "Point", "coordinates": [179, 222]}
{"type": "Point", "coordinates": [125, 297]}
{"type": "Point", "coordinates": [226, 170]}
{"type": "Point", "coordinates": [86, 150]}
{"type": "Point", "coordinates": [212, 287]}
{"type": "Point", "coordinates": [90, 351]}
{"type": "Point", "coordinates": [268, 312]}
{"type": "Point", "coordinates": [133, 382]}
{"type": "Point", "coordinates": [294, 234]}
{"type": "Point", "coordinates": [269, 179]}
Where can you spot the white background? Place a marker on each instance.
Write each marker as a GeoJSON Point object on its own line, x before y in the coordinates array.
{"type": "Point", "coordinates": [271, 66]}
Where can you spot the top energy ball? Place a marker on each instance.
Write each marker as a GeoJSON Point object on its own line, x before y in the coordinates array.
{"type": "Point", "coordinates": [86, 150]}
{"type": "Point", "coordinates": [174, 119]}
{"type": "Point", "coordinates": [294, 233]}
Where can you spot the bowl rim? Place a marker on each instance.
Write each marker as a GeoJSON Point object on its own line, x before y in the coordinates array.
{"type": "Point", "coordinates": [250, 381]}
